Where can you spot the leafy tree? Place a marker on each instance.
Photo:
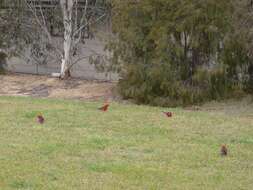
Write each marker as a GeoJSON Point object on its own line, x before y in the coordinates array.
{"type": "Point", "coordinates": [171, 52]}
{"type": "Point", "coordinates": [34, 29]}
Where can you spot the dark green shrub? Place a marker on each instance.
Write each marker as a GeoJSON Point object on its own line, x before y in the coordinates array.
{"type": "Point", "coordinates": [172, 52]}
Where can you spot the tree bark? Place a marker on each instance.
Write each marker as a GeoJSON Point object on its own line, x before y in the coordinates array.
{"type": "Point", "coordinates": [67, 9]}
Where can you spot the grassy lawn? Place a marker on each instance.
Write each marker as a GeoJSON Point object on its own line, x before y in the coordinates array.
{"type": "Point", "coordinates": [128, 147]}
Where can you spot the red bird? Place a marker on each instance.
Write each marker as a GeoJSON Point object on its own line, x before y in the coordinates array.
{"type": "Point", "coordinates": [224, 150]}
{"type": "Point", "coordinates": [40, 119]}
{"type": "Point", "coordinates": [168, 114]}
{"type": "Point", "coordinates": [104, 108]}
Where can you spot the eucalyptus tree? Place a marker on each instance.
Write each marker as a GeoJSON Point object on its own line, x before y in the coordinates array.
{"type": "Point", "coordinates": [171, 52]}
{"type": "Point", "coordinates": [54, 29]}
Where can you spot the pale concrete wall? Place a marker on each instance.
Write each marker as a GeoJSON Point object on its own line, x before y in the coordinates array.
{"type": "Point", "coordinates": [82, 70]}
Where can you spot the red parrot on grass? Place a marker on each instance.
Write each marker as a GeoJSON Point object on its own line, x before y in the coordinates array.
{"type": "Point", "coordinates": [40, 119]}
{"type": "Point", "coordinates": [104, 108]}
{"type": "Point", "coordinates": [224, 150]}
{"type": "Point", "coordinates": [168, 114]}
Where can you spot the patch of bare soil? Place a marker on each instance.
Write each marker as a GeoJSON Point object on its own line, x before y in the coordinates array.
{"type": "Point", "coordinates": [45, 86]}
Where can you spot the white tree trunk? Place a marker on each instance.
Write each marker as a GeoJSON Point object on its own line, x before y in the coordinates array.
{"type": "Point", "coordinates": [67, 9]}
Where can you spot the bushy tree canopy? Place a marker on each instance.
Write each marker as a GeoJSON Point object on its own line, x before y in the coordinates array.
{"type": "Point", "coordinates": [172, 52]}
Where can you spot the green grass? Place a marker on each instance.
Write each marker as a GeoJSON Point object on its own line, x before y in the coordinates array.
{"type": "Point", "coordinates": [129, 147]}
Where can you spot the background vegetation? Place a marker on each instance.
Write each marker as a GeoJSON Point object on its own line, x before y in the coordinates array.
{"type": "Point", "coordinates": [167, 52]}
{"type": "Point", "coordinates": [171, 52]}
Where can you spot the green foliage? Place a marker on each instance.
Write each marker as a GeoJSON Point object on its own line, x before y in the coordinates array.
{"type": "Point", "coordinates": [172, 52]}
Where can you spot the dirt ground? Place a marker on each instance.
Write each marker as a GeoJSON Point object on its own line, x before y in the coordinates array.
{"type": "Point", "coordinates": [45, 86]}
